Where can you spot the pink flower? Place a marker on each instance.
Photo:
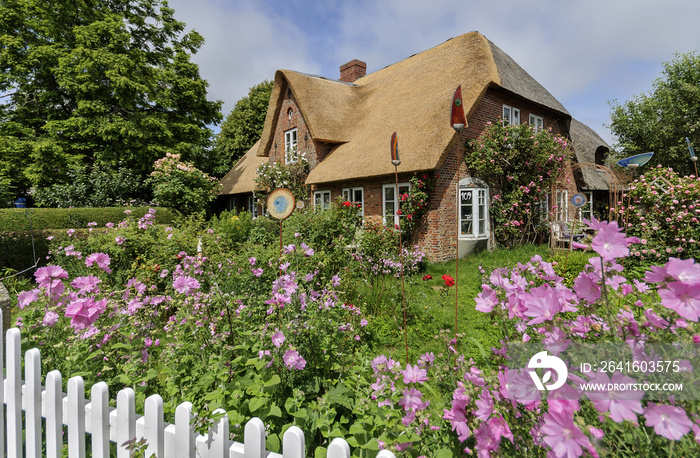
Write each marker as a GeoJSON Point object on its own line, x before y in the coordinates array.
{"type": "Point", "coordinates": [86, 284]}
{"type": "Point", "coordinates": [622, 405]}
{"type": "Point", "coordinates": [84, 312]}
{"type": "Point", "coordinates": [486, 300]}
{"type": "Point", "coordinates": [683, 298]}
{"type": "Point", "coordinates": [541, 304]}
{"type": "Point", "coordinates": [278, 339]}
{"type": "Point", "coordinates": [27, 297]}
{"type": "Point", "coordinates": [414, 374]}
{"type": "Point", "coordinates": [686, 271]}
{"type": "Point", "coordinates": [101, 259]}
{"type": "Point", "coordinates": [185, 285]}
{"type": "Point", "coordinates": [50, 318]}
{"type": "Point", "coordinates": [563, 436]}
{"type": "Point", "coordinates": [669, 421]}
{"type": "Point", "coordinates": [412, 400]}
{"type": "Point", "coordinates": [44, 275]}
{"type": "Point", "coordinates": [587, 288]}
{"type": "Point", "coordinates": [293, 360]}
{"type": "Point", "coordinates": [609, 242]}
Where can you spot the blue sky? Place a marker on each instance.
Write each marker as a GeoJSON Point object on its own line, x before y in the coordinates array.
{"type": "Point", "coordinates": [585, 52]}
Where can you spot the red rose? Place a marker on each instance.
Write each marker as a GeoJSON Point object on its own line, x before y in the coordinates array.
{"type": "Point", "coordinates": [449, 281]}
{"type": "Point", "coordinates": [427, 277]}
{"type": "Point", "coordinates": [347, 204]}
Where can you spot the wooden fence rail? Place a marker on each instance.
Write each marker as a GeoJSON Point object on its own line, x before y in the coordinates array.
{"type": "Point", "coordinates": [95, 420]}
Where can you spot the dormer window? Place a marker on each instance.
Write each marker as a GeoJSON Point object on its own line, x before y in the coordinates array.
{"type": "Point", "coordinates": [290, 146]}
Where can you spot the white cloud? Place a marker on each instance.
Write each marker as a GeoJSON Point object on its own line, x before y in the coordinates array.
{"type": "Point", "coordinates": [243, 45]}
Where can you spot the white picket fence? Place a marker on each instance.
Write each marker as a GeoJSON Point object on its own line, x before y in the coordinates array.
{"type": "Point", "coordinates": [105, 424]}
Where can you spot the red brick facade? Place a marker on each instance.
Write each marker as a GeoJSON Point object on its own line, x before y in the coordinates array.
{"type": "Point", "coordinates": [437, 233]}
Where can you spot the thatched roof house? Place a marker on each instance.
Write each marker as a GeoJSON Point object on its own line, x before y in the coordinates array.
{"type": "Point", "coordinates": [344, 127]}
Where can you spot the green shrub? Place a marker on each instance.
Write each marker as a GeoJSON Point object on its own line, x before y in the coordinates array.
{"type": "Point", "coordinates": [19, 219]}
{"type": "Point", "coordinates": [181, 185]}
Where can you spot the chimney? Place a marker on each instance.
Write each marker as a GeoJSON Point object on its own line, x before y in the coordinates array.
{"type": "Point", "coordinates": [352, 71]}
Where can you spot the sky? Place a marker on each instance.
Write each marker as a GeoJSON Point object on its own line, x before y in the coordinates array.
{"type": "Point", "coordinates": [586, 53]}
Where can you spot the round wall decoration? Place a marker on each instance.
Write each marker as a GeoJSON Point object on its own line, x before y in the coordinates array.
{"type": "Point", "coordinates": [579, 200]}
{"type": "Point", "coordinates": [280, 203]}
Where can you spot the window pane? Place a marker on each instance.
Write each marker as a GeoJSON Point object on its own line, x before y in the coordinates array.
{"type": "Point", "coordinates": [389, 193]}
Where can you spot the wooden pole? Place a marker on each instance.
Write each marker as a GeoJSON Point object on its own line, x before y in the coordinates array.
{"type": "Point", "coordinates": [403, 290]}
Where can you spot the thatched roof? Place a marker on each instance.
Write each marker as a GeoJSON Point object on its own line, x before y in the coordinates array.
{"type": "Point", "coordinates": [411, 98]}
{"type": "Point", "coordinates": [586, 143]}
{"type": "Point", "coordinates": [241, 178]}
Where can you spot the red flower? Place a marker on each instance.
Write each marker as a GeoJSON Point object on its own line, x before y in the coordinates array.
{"type": "Point", "coordinates": [449, 281]}
{"type": "Point", "coordinates": [347, 204]}
{"type": "Point", "coordinates": [427, 277]}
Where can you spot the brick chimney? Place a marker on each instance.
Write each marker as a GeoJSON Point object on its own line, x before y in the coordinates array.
{"type": "Point", "coordinates": [352, 71]}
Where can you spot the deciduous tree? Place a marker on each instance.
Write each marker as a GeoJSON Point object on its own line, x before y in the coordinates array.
{"type": "Point", "coordinates": [97, 82]}
{"type": "Point", "coordinates": [660, 120]}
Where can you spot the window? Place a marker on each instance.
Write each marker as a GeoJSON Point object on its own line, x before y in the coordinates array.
{"type": "Point", "coordinates": [562, 210]}
{"type": "Point", "coordinates": [510, 115]}
{"type": "Point", "coordinates": [252, 206]}
{"type": "Point", "coordinates": [322, 200]}
{"type": "Point", "coordinates": [537, 122]}
{"type": "Point", "coordinates": [473, 209]}
{"type": "Point", "coordinates": [290, 146]}
{"type": "Point", "coordinates": [389, 201]}
{"type": "Point", "coordinates": [356, 196]}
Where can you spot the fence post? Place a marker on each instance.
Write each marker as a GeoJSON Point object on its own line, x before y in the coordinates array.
{"type": "Point", "coordinates": [294, 443]}
{"type": "Point", "coordinates": [184, 431]}
{"type": "Point", "coordinates": [254, 438]}
{"type": "Point", "coordinates": [76, 417]}
{"type": "Point", "coordinates": [126, 421]}
{"type": "Point", "coordinates": [32, 400]}
{"type": "Point", "coordinates": [14, 393]}
{"type": "Point", "coordinates": [2, 391]}
{"type": "Point", "coordinates": [54, 414]}
{"type": "Point", "coordinates": [338, 449]}
{"type": "Point", "coordinates": [99, 419]}
{"type": "Point", "coordinates": [154, 426]}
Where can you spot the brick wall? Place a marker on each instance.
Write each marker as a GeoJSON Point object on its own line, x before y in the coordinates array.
{"type": "Point", "coordinates": [437, 234]}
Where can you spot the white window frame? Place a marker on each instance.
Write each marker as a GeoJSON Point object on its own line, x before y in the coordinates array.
{"type": "Point", "coordinates": [587, 210]}
{"type": "Point", "coordinates": [511, 115]}
{"type": "Point", "coordinates": [290, 146]}
{"type": "Point", "coordinates": [537, 122]}
{"type": "Point", "coordinates": [562, 203]}
{"type": "Point", "coordinates": [252, 206]}
{"type": "Point", "coordinates": [352, 194]}
{"type": "Point", "coordinates": [386, 212]}
{"type": "Point", "coordinates": [474, 224]}
{"type": "Point", "coordinates": [322, 199]}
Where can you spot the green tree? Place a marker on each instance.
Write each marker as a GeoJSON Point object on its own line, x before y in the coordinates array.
{"type": "Point", "coordinates": [660, 121]}
{"type": "Point", "coordinates": [97, 82]}
{"type": "Point", "coordinates": [243, 126]}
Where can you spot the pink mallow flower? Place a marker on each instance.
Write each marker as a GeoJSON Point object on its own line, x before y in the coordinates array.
{"type": "Point", "coordinates": [185, 285]}
{"type": "Point", "coordinates": [669, 421]}
{"type": "Point", "coordinates": [609, 242]}
{"type": "Point", "coordinates": [278, 339]}
{"type": "Point", "coordinates": [683, 298]}
{"type": "Point", "coordinates": [45, 275]}
{"type": "Point", "coordinates": [84, 312]}
{"type": "Point", "coordinates": [622, 405]}
{"type": "Point", "coordinates": [563, 437]}
{"type": "Point", "coordinates": [27, 297]}
{"type": "Point", "coordinates": [414, 374]}
{"type": "Point", "coordinates": [101, 259]}
{"type": "Point", "coordinates": [293, 360]}
{"type": "Point", "coordinates": [541, 304]}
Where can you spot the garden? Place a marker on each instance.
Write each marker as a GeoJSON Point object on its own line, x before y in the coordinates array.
{"type": "Point", "coordinates": [310, 332]}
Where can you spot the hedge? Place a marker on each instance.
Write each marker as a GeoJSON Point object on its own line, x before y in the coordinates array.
{"type": "Point", "coordinates": [16, 220]}
{"type": "Point", "coordinates": [16, 250]}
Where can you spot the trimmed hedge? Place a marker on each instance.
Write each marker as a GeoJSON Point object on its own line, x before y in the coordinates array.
{"type": "Point", "coordinates": [16, 238]}
{"type": "Point", "coordinates": [16, 220]}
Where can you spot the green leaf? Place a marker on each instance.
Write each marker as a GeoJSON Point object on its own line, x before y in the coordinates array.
{"type": "Point", "coordinates": [340, 394]}
{"type": "Point", "coordinates": [272, 443]}
{"type": "Point", "coordinates": [320, 452]}
{"type": "Point", "coordinates": [256, 403]}
{"type": "Point", "coordinates": [274, 380]}
{"type": "Point", "coordinates": [444, 453]}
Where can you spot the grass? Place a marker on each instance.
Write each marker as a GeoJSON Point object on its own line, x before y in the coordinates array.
{"type": "Point", "coordinates": [431, 307]}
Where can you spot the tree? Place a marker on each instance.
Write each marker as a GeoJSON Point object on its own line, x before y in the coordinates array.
{"type": "Point", "coordinates": [660, 121]}
{"type": "Point", "coordinates": [243, 126]}
{"type": "Point", "coordinates": [97, 82]}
